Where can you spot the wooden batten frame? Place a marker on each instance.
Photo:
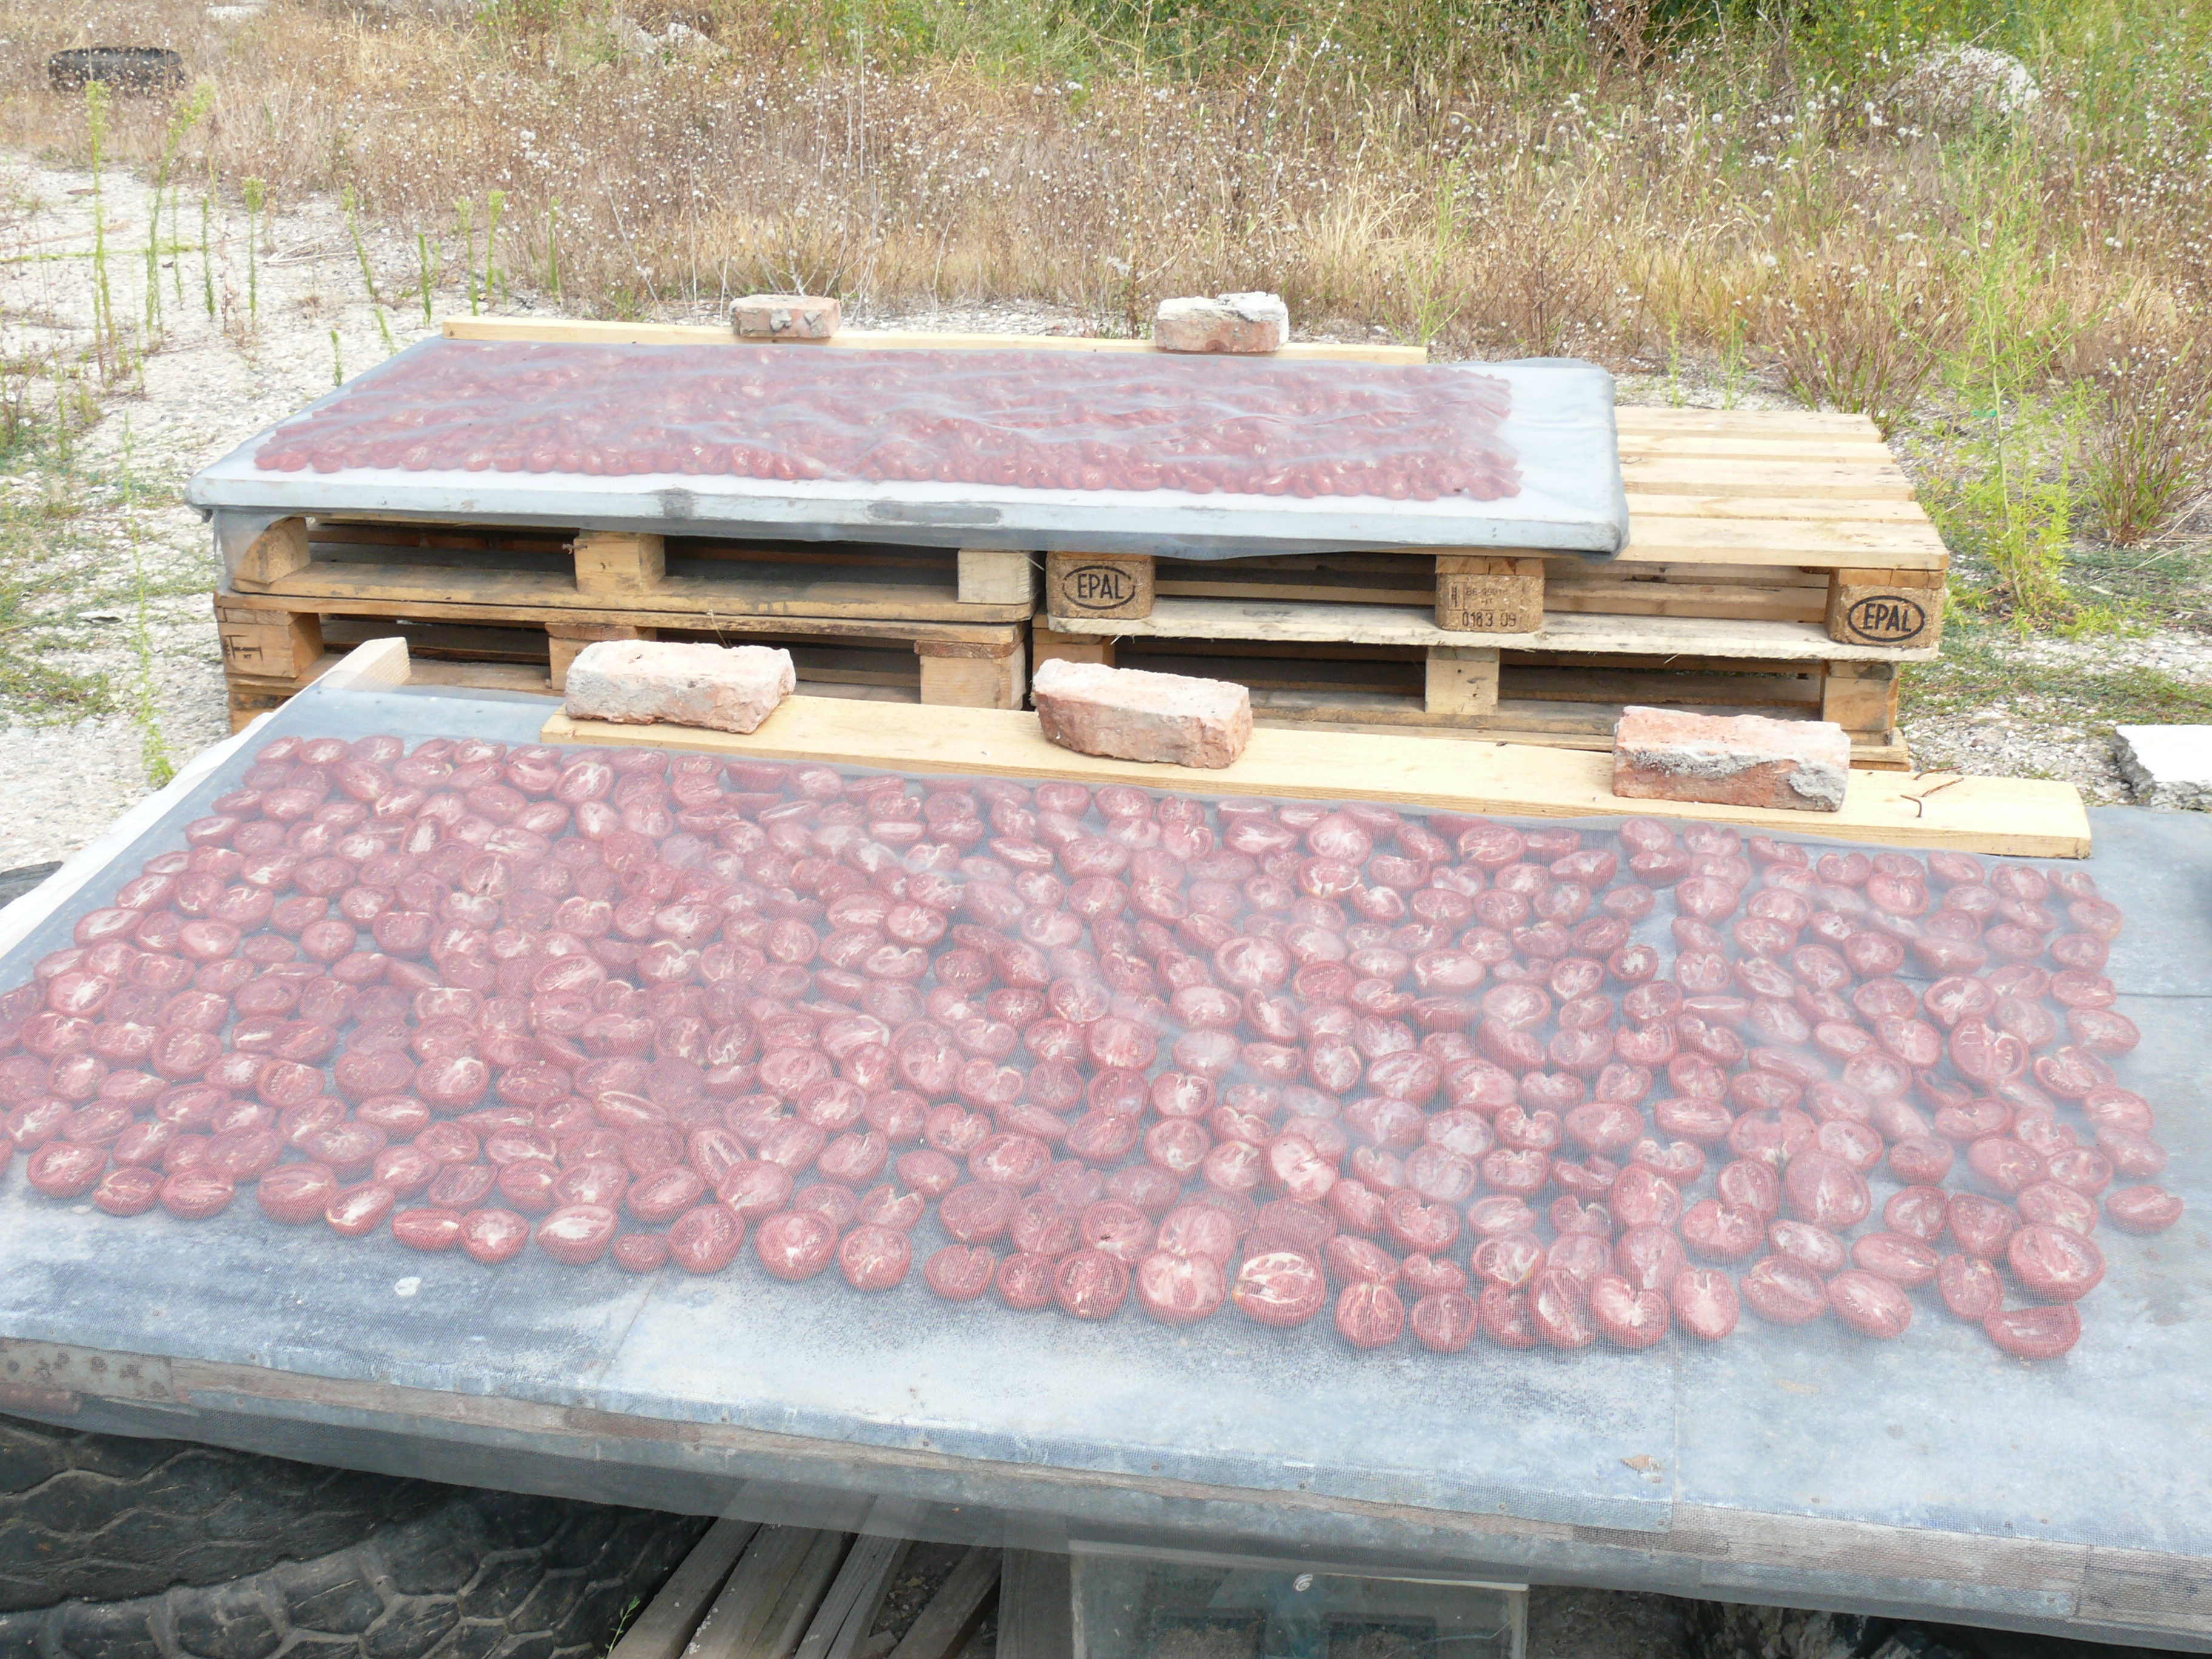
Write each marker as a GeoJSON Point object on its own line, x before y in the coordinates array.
{"type": "Point", "coordinates": [563, 332]}
{"type": "Point", "coordinates": [2023, 817]}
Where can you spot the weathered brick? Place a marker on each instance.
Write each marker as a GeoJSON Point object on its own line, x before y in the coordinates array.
{"type": "Point", "coordinates": [636, 682]}
{"type": "Point", "coordinates": [1741, 760]}
{"type": "Point", "coordinates": [1135, 716]}
{"type": "Point", "coordinates": [1242, 324]}
{"type": "Point", "coordinates": [785, 317]}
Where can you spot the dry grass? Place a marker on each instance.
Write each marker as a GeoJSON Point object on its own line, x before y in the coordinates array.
{"type": "Point", "coordinates": [1494, 186]}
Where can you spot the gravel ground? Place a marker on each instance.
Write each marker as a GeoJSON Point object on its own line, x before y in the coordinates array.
{"type": "Point", "coordinates": [115, 512]}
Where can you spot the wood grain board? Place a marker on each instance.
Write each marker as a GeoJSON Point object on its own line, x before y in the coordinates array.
{"type": "Point", "coordinates": [2019, 817]}
{"type": "Point", "coordinates": [564, 333]}
{"type": "Point", "coordinates": [1375, 624]}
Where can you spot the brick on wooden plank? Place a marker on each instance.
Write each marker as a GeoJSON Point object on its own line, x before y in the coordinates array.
{"type": "Point", "coordinates": [1860, 696]}
{"type": "Point", "coordinates": [563, 639]}
{"type": "Point", "coordinates": [1462, 680]}
{"type": "Point", "coordinates": [1236, 325]}
{"type": "Point", "coordinates": [618, 561]}
{"type": "Point", "coordinates": [770, 1599]}
{"type": "Point", "coordinates": [997, 576]}
{"type": "Point", "coordinates": [273, 645]}
{"type": "Point", "coordinates": [644, 681]}
{"type": "Point", "coordinates": [973, 673]}
{"type": "Point", "coordinates": [1903, 608]}
{"type": "Point", "coordinates": [269, 555]}
{"type": "Point", "coordinates": [1112, 584]}
{"type": "Point", "coordinates": [785, 316]}
{"type": "Point", "coordinates": [1037, 1609]}
{"type": "Point", "coordinates": [1048, 645]}
{"type": "Point", "coordinates": [941, 1629]}
{"type": "Point", "coordinates": [1730, 760]}
{"type": "Point", "coordinates": [1132, 714]}
{"type": "Point", "coordinates": [1489, 594]}
{"type": "Point", "coordinates": [665, 1629]}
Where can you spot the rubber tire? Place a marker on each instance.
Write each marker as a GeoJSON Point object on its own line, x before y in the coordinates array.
{"type": "Point", "coordinates": [145, 1562]}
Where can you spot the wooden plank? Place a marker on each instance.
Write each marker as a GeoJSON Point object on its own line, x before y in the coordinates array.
{"type": "Point", "coordinates": [1480, 594]}
{"type": "Point", "coordinates": [746, 605]}
{"type": "Point", "coordinates": [1643, 417]}
{"type": "Point", "coordinates": [765, 1608]}
{"type": "Point", "coordinates": [1885, 607]}
{"type": "Point", "coordinates": [849, 1611]}
{"type": "Point", "coordinates": [578, 332]}
{"type": "Point", "coordinates": [1648, 504]}
{"type": "Point", "coordinates": [1807, 479]}
{"type": "Point", "coordinates": [1777, 444]}
{"type": "Point", "coordinates": [369, 666]}
{"type": "Point", "coordinates": [995, 575]}
{"type": "Point", "coordinates": [953, 1613]}
{"type": "Point", "coordinates": [665, 1629]}
{"type": "Point", "coordinates": [2028, 817]}
{"type": "Point", "coordinates": [1099, 585]}
{"type": "Point", "coordinates": [1461, 681]}
{"type": "Point", "coordinates": [1829, 544]}
{"type": "Point", "coordinates": [1036, 1607]}
{"type": "Point", "coordinates": [1375, 624]}
{"type": "Point", "coordinates": [618, 562]}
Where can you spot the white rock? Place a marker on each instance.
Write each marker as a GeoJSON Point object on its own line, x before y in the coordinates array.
{"type": "Point", "coordinates": [2167, 765]}
{"type": "Point", "coordinates": [1955, 85]}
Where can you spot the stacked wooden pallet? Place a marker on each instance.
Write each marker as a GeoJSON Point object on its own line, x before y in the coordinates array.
{"type": "Point", "coordinates": [510, 608]}
{"type": "Point", "coordinates": [1777, 564]}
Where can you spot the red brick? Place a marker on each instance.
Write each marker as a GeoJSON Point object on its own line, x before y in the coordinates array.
{"type": "Point", "coordinates": [1242, 325]}
{"type": "Point", "coordinates": [1133, 715]}
{"type": "Point", "coordinates": [1742, 760]}
{"type": "Point", "coordinates": [638, 681]}
{"type": "Point", "coordinates": [785, 317]}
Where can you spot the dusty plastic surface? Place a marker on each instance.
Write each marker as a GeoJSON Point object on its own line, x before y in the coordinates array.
{"type": "Point", "coordinates": [1141, 453]}
{"type": "Point", "coordinates": [1130, 1608]}
{"type": "Point", "coordinates": [678, 1387]}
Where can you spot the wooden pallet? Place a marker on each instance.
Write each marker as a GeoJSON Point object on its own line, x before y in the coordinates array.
{"type": "Point", "coordinates": [1777, 564]}
{"type": "Point", "coordinates": [491, 608]}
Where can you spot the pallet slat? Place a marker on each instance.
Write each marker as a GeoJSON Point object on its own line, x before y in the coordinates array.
{"type": "Point", "coordinates": [1224, 619]}
{"type": "Point", "coordinates": [665, 1629]}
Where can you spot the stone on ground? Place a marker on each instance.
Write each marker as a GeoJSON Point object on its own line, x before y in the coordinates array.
{"type": "Point", "coordinates": [638, 681]}
{"type": "Point", "coordinates": [1739, 760]}
{"type": "Point", "coordinates": [785, 317]}
{"type": "Point", "coordinates": [1131, 715]}
{"type": "Point", "coordinates": [1241, 324]}
{"type": "Point", "coordinates": [2167, 765]}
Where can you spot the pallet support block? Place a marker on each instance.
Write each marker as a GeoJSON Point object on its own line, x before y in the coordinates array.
{"type": "Point", "coordinates": [267, 645]}
{"type": "Point", "coordinates": [1048, 645]}
{"type": "Point", "coordinates": [1109, 585]}
{"type": "Point", "coordinates": [278, 551]}
{"type": "Point", "coordinates": [1489, 594]}
{"type": "Point", "coordinates": [1462, 681]}
{"type": "Point", "coordinates": [973, 674]}
{"type": "Point", "coordinates": [1860, 696]}
{"type": "Point", "coordinates": [565, 639]}
{"type": "Point", "coordinates": [1900, 608]}
{"type": "Point", "coordinates": [996, 575]}
{"type": "Point", "coordinates": [618, 561]}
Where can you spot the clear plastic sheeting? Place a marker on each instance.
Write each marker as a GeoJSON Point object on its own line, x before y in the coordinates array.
{"type": "Point", "coordinates": [1117, 1161]}
{"type": "Point", "coordinates": [1087, 450]}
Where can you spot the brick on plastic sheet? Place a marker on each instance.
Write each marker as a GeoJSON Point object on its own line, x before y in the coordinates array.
{"type": "Point", "coordinates": [1131, 715]}
{"type": "Point", "coordinates": [1741, 760]}
{"type": "Point", "coordinates": [785, 317]}
{"type": "Point", "coordinates": [638, 681]}
{"type": "Point", "coordinates": [1240, 324]}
